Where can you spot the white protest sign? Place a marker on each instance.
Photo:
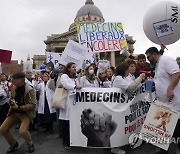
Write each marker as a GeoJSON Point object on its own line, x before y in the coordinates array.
{"type": "Point", "coordinates": [73, 52]}
{"type": "Point", "coordinates": [163, 28]}
{"type": "Point", "coordinates": [102, 37]}
{"type": "Point", "coordinates": [159, 125]}
{"type": "Point", "coordinates": [53, 57]}
{"type": "Point", "coordinates": [106, 117]}
{"type": "Point", "coordinates": [90, 57]}
{"type": "Point", "coordinates": [103, 65]}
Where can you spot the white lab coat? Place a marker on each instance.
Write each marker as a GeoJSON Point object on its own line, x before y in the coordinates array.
{"type": "Point", "coordinates": [69, 84]}
{"type": "Point", "coordinates": [84, 82]}
{"type": "Point", "coordinates": [49, 95]}
{"type": "Point", "coordinates": [30, 83]}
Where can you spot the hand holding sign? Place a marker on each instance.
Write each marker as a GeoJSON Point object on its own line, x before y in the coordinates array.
{"type": "Point", "coordinates": [98, 129]}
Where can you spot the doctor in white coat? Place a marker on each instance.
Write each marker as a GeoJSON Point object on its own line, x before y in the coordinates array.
{"type": "Point", "coordinates": [46, 113]}
{"type": "Point", "coordinates": [70, 82]}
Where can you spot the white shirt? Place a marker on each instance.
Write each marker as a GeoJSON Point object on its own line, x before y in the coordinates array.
{"type": "Point", "coordinates": [42, 88]}
{"type": "Point", "coordinates": [130, 78]}
{"type": "Point", "coordinates": [84, 82]}
{"type": "Point", "coordinates": [29, 82]}
{"type": "Point", "coordinates": [5, 84]}
{"type": "Point", "coordinates": [108, 84]}
{"type": "Point", "coordinates": [69, 84]}
{"type": "Point", "coordinates": [120, 82]}
{"type": "Point", "coordinates": [166, 66]}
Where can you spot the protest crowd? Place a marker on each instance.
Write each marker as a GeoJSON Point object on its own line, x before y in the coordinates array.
{"type": "Point", "coordinates": [29, 98]}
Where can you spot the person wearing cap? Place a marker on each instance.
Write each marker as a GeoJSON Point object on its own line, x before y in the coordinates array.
{"type": "Point", "coordinates": [22, 108]}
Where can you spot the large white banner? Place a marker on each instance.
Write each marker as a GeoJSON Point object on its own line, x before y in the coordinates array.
{"type": "Point", "coordinates": [73, 52]}
{"type": "Point", "coordinates": [101, 117]}
{"type": "Point", "coordinates": [53, 57]}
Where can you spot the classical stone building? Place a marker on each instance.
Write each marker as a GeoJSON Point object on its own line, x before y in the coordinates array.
{"type": "Point", "coordinates": [88, 13]}
{"type": "Point", "coordinates": [38, 60]}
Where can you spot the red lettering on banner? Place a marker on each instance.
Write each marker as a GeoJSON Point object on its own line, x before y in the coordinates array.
{"type": "Point", "coordinates": [167, 135]}
{"type": "Point", "coordinates": [93, 45]}
{"type": "Point", "coordinates": [126, 130]}
{"type": "Point", "coordinates": [100, 47]}
{"type": "Point", "coordinates": [106, 45]}
{"type": "Point", "coordinates": [156, 131]}
{"type": "Point", "coordinates": [110, 45]}
{"type": "Point", "coordinates": [115, 45]}
{"type": "Point", "coordinates": [130, 128]}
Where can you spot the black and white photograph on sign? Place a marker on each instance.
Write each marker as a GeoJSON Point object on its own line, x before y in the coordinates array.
{"type": "Point", "coordinates": [163, 28]}
{"type": "Point", "coordinates": [97, 128]}
{"type": "Point", "coordinates": [104, 119]}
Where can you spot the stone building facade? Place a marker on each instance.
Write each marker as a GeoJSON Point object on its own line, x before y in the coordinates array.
{"type": "Point", "coordinates": [38, 60]}
{"type": "Point", "coordinates": [89, 13]}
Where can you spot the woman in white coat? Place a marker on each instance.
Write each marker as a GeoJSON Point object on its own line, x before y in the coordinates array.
{"type": "Point", "coordinates": [109, 78]}
{"type": "Point", "coordinates": [89, 80]}
{"type": "Point", "coordinates": [46, 113]}
{"type": "Point", "coordinates": [132, 69]}
{"type": "Point", "coordinates": [70, 82]}
{"type": "Point", "coordinates": [125, 85]}
{"type": "Point", "coordinates": [120, 80]}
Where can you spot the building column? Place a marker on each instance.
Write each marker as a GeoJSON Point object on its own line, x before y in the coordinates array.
{"type": "Point", "coordinates": [113, 58]}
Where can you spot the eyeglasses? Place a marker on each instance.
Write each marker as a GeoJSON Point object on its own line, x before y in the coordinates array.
{"type": "Point", "coordinates": [101, 73]}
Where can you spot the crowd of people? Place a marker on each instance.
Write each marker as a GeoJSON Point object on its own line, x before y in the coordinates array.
{"type": "Point", "coordinates": [27, 97]}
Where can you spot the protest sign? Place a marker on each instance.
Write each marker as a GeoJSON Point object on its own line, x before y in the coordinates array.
{"type": "Point", "coordinates": [163, 28]}
{"type": "Point", "coordinates": [106, 117]}
{"type": "Point", "coordinates": [103, 65]}
{"type": "Point", "coordinates": [0, 68]}
{"type": "Point", "coordinates": [90, 57]}
{"type": "Point", "coordinates": [102, 37]}
{"type": "Point", "coordinates": [159, 125]}
{"type": "Point", "coordinates": [53, 57]}
{"type": "Point", "coordinates": [73, 52]}
{"type": "Point", "coordinates": [5, 56]}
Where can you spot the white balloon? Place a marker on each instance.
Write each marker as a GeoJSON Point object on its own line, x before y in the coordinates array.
{"type": "Point", "coordinates": [161, 23]}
